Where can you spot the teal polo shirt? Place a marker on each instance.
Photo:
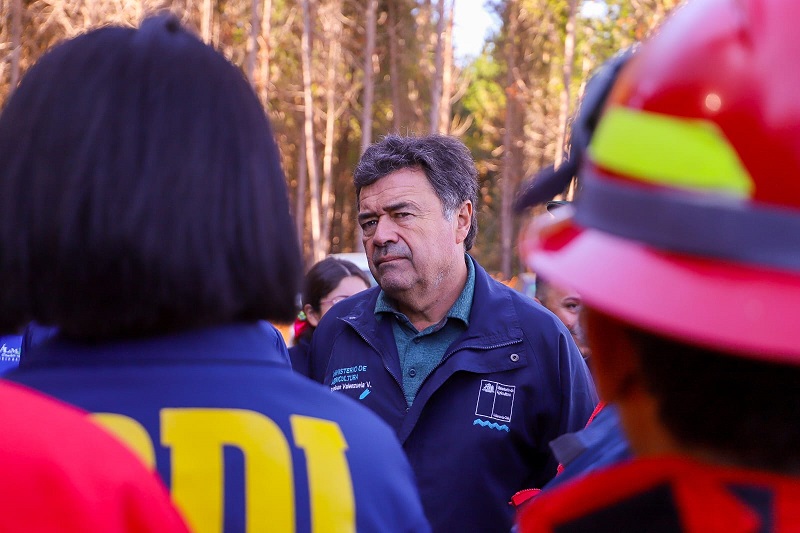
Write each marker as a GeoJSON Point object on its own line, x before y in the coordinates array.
{"type": "Point", "coordinates": [421, 351]}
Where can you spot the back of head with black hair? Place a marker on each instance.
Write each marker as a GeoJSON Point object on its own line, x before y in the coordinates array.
{"type": "Point", "coordinates": [446, 162]}
{"type": "Point", "coordinates": [142, 191]}
{"type": "Point", "coordinates": [743, 411]}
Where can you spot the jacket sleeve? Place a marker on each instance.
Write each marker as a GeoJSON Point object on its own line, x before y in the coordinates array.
{"type": "Point", "coordinates": [576, 393]}
{"type": "Point", "coordinates": [577, 386]}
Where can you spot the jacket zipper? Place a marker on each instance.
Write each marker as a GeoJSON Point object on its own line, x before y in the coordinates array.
{"type": "Point", "coordinates": [441, 362]}
{"type": "Point", "coordinates": [465, 347]}
{"type": "Point", "coordinates": [399, 384]}
{"type": "Point", "coordinates": [477, 347]}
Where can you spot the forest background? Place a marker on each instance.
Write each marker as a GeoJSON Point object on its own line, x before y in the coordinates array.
{"type": "Point", "coordinates": [336, 75]}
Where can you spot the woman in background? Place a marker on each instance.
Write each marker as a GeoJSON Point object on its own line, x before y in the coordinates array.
{"type": "Point", "coordinates": [327, 283]}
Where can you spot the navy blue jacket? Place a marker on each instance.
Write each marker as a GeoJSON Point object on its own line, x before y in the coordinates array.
{"type": "Point", "coordinates": [238, 437]}
{"type": "Point", "coordinates": [298, 354]}
{"type": "Point", "coordinates": [601, 444]}
{"type": "Point", "coordinates": [479, 428]}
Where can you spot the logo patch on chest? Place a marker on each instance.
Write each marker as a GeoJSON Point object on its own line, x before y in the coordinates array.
{"type": "Point", "coordinates": [351, 377]}
{"type": "Point", "coordinates": [10, 355]}
{"type": "Point", "coordinates": [495, 400]}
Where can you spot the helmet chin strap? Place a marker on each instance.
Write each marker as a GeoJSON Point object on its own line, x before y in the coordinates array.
{"type": "Point", "coordinates": [711, 226]}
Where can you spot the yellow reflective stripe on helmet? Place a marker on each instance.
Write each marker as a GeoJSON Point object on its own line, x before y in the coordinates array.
{"type": "Point", "coordinates": [671, 151]}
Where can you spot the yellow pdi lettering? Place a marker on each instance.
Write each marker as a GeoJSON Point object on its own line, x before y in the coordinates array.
{"type": "Point", "coordinates": [197, 437]}
{"type": "Point", "coordinates": [330, 484]}
{"type": "Point", "coordinates": [131, 432]}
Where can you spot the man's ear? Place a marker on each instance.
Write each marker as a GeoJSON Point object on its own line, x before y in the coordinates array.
{"type": "Point", "coordinates": [463, 221]}
{"type": "Point", "coordinates": [311, 315]}
{"type": "Point", "coordinates": [615, 363]}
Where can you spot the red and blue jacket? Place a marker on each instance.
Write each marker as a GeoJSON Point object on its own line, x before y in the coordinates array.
{"type": "Point", "coordinates": [479, 427]}
{"type": "Point", "coordinates": [242, 442]}
{"type": "Point", "coordinates": [667, 495]}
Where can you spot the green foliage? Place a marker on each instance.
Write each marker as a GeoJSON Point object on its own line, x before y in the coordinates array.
{"type": "Point", "coordinates": [484, 100]}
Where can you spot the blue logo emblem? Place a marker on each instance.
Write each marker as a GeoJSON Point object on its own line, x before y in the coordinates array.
{"type": "Point", "coordinates": [364, 394]}
{"type": "Point", "coordinates": [492, 425]}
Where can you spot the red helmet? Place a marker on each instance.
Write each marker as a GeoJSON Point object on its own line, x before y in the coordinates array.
{"type": "Point", "coordinates": [687, 223]}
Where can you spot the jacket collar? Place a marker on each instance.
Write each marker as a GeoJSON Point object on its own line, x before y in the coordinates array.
{"type": "Point", "coordinates": [460, 310]}
{"type": "Point", "coordinates": [244, 342]}
{"type": "Point", "coordinates": [493, 317]}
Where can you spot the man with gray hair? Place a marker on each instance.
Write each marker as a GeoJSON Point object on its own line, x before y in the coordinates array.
{"type": "Point", "coordinates": [475, 378]}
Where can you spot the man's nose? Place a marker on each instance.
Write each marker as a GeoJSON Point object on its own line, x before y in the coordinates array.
{"type": "Point", "coordinates": [385, 231]}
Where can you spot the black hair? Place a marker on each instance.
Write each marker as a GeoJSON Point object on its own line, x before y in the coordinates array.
{"type": "Point", "coordinates": [446, 162]}
{"type": "Point", "coordinates": [325, 276]}
{"type": "Point", "coordinates": [142, 190]}
{"type": "Point", "coordinates": [743, 410]}
{"type": "Point", "coordinates": [542, 288]}
{"type": "Point", "coordinates": [322, 279]}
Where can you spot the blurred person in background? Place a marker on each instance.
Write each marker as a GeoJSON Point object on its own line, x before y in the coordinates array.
{"type": "Point", "coordinates": [565, 303]}
{"type": "Point", "coordinates": [327, 283]}
{"type": "Point", "coordinates": [148, 215]}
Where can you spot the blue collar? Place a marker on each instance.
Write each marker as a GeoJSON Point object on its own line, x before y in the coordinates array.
{"type": "Point", "coordinates": [254, 342]}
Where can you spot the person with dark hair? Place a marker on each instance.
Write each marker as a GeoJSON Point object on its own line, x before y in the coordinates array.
{"type": "Point", "coordinates": [474, 377]}
{"type": "Point", "coordinates": [61, 472]}
{"type": "Point", "coordinates": [327, 283]}
{"type": "Point", "coordinates": [147, 212]}
{"type": "Point", "coordinates": [683, 247]}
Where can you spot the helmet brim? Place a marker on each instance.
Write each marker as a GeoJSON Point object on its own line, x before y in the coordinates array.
{"type": "Point", "coordinates": [715, 304]}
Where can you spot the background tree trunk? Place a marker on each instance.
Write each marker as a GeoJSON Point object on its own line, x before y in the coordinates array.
{"type": "Point", "coordinates": [317, 247]}
{"type": "Point", "coordinates": [566, 78]}
{"type": "Point", "coordinates": [252, 42]}
{"type": "Point", "coordinates": [438, 69]}
{"type": "Point", "coordinates": [16, 43]}
{"type": "Point", "coordinates": [511, 112]}
{"type": "Point", "coordinates": [394, 71]}
{"type": "Point", "coordinates": [264, 50]}
{"type": "Point", "coordinates": [447, 70]}
{"type": "Point", "coordinates": [300, 194]}
{"type": "Point", "coordinates": [333, 24]}
{"type": "Point", "coordinates": [205, 21]}
{"type": "Point", "coordinates": [424, 38]}
{"type": "Point", "coordinates": [369, 74]}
